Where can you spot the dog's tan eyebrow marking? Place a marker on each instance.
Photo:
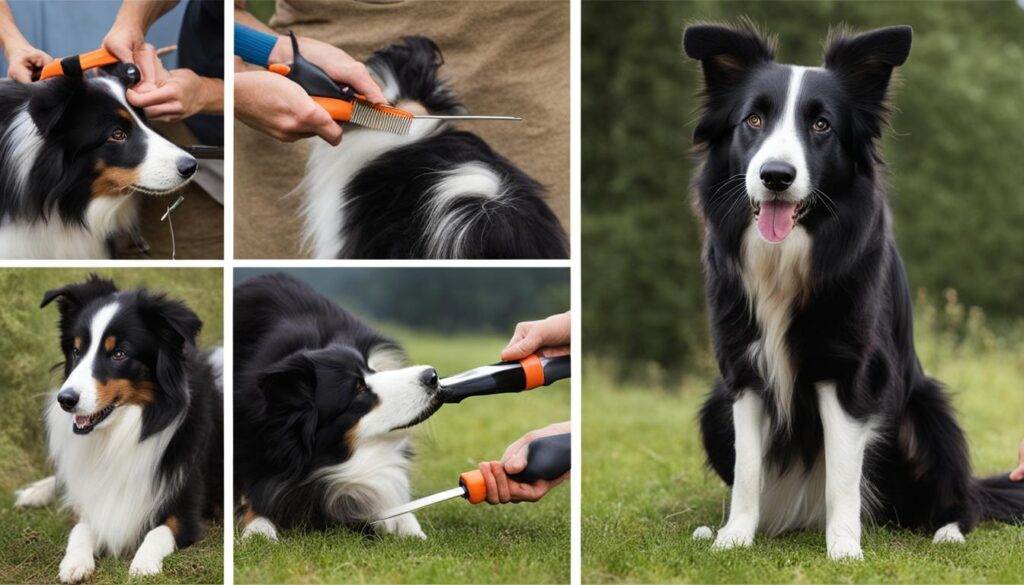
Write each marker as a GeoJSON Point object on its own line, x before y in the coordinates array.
{"type": "Point", "coordinates": [78, 343]}
{"type": "Point", "coordinates": [123, 113]}
{"type": "Point", "coordinates": [110, 343]}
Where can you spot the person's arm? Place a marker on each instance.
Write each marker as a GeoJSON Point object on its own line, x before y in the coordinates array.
{"type": "Point", "coordinates": [22, 57]}
{"type": "Point", "coordinates": [501, 489]}
{"type": "Point", "coordinates": [128, 33]}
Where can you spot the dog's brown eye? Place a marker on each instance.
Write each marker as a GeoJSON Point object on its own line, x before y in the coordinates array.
{"type": "Point", "coordinates": [118, 135]}
{"type": "Point", "coordinates": [74, 352]}
{"type": "Point", "coordinates": [820, 125]}
{"type": "Point", "coordinates": [118, 355]}
{"type": "Point", "coordinates": [755, 121]}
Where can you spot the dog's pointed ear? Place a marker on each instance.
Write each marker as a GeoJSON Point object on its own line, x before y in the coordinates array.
{"type": "Point", "coordinates": [72, 297]}
{"type": "Point", "coordinates": [49, 109]}
{"type": "Point", "coordinates": [727, 54]}
{"type": "Point", "coordinates": [864, 62]}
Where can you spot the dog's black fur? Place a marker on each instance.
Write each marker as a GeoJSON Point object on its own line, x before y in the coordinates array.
{"type": "Point", "coordinates": [854, 322]}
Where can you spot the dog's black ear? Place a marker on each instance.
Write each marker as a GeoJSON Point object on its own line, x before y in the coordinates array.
{"type": "Point", "coordinates": [289, 389]}
{"type": "Point", "coordinates": [176, 328]}
{"type": "Point", "coordinates": [727, 54]}
{"type": "Point", "coordinates": [72, 297]}
{"type": "Point", "coordinates": [50, 106]}
{"type": "Point", "coordinates": [864, 62]}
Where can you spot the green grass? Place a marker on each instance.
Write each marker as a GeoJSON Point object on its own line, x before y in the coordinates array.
{"type": "Point", "coordinates": [525, 543]}
{"type": "Point", "coordinates": [32, 541]}
{"type": "Point", "coordinates": [646, 489]}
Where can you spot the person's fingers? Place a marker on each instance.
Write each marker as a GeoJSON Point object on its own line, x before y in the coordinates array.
{"type": "Point", "coordinates": [517, 447]}
{"type": "Point", "coordinates": [147, 62]}
{"type": "Point", "coordinates": [160, 95]}
{"type": "Point", "coordinates": [358, 77]}
{"type": "Point", "coordinates": [525, 346]}
{"type": "Point", "coordinates": [19, 72]}
{"type": "Point", "coordinates": [324, 126]}
{"type": "Point", "coordinates": [166, 112]}
{"type": "Point", "coordinates": [502, 481]}
{"type": "Point", "coordinates": [1018, 474]}
{"type": "Point", "coordinates": [492, 486]}
{"type": "Point", "coordinates": [554, 351]}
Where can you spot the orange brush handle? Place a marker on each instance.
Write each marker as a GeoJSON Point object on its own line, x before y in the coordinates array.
{"type": "Point", "coordinates": [68, 65]}
{"type": "Point", "coordinates": [476, 487]}
{"type": "Point", "coordinates": [340, 110]}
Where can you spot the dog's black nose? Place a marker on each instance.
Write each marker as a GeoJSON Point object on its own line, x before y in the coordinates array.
{"type": "Point", "coordinates": [67, 399]}
{"type": "Point", "coordinates": [187, 166]}
{"type": "Point", "coordinates": [777, 175]}
{"type": "Point", "coordinates": [429, 378]}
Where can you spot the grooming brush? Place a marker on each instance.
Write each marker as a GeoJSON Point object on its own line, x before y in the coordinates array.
{"type": "Point", "coordinates": [547, 458]}
{"type": "Point", "coordinates": [345, 105]}
{"type": "Point", "coordinates": [76, 65]}
{"type": "Point", "coordinates": [505, 377]}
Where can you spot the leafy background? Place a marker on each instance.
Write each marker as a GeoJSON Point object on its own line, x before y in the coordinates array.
{"type": "Point", "coordinates": [954, 158]}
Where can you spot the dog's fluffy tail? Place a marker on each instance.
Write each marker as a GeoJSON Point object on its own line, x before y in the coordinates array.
{"type": "Point", "coordinates": [1000, 499]}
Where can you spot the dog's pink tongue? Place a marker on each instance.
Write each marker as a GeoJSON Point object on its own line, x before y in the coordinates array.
{"type": "Point", "coordinates": [776, 220]}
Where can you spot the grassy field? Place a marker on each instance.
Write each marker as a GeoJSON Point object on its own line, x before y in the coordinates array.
{"type": "Point", "coordinates": [32, 541]}
{"type": "Point", "coordinates": [526, 543]}
{"type": "Point", "coordinates": [645, 486]}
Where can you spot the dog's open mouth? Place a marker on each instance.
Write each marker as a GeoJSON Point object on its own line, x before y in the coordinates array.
{"type": "Point", "coordinates": [83, 425]}
{"type": "Point", "coordinates": [777, 218]}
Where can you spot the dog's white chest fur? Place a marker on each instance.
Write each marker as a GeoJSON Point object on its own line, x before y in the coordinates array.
{"type": "Point", "coordinates": [104, 217]}
{"type": "Point", "coordinates": [111, 480]}
{"type": "Point", "coordinates": [775, 277]}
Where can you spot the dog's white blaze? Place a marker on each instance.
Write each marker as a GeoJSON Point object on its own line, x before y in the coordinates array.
{"type": "Point", "coordinates": [373, 479]}
{"type": "Point", "coordinates": [19, 147]}
{"type": "Point", "coordinates": [846, 440]}
{"type": "Point", "coordinates": [402, 399]}
{"type": "Point", "coordinates": [783, 144]}
{"type": "Point", "coordinates": [775, 279]}
{"type": "Point", "coordinates": [81, 379]}
{"type": "Point", "coordinates": [470, 180]}
{"type": "Point", "coordinates": [750, 423]}
{"type": "Point", "coordinates": [149, 559]}
{"type": "Point", "coordinates": [158, 172]}
{"type": "Point", "coordinates": [111, 479]}
{"type": "Point", "coordinates": [329, 172]}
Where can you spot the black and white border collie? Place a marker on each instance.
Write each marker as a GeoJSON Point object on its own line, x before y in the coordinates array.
{"type": "Point", "coordinates": [135, 432]}
{"type": "Point", "coordinates": [823, 414]}
{"type": "Point", "coordinates": [322, 408]}
{"type": "Point", "coordinates": [72, 154]}
{"type": "Point", "coordinates": [436, 193]}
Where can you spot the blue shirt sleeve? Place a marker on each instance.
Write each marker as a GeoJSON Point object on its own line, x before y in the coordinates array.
{"type": "Point", "coordinates": [253, 46]}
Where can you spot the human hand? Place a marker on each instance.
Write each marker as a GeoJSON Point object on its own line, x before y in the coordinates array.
{"type": "Point", "coordinates": [1018, 474]}
{"type": "Point", "coordinates": [338, 65]}
{"type": "Point", "coordinates": [124, 38]}
{"type": "Point", "coordinates": [180, 95]}
{"type": "Point", "coordinates": [501, 489]}
{"type": "Point", "coordinates": [23, 59]}
{"type": "Point", "coordinates": [548, 337]}
{"type": "Point", "coordinates": [278, 107]}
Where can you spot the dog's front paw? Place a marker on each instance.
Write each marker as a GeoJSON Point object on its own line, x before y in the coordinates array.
{"type": "Point", "coordinates": [405, 526]}
{"type": "Point", "coordinates": [260, 527]}
{"type": "Point", "coordinates": [76, 566]}
{"type": "Point", "coordinates": [844, 548]}
{"type": "Point", "coordinates": [146, 564]}
{"type": "Point", "coordinates": [732, 536]}
{"type": "Point", "coordinates": [950, 533]}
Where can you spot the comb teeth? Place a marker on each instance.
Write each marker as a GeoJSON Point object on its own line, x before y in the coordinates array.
{"type": "Point", "coordinates": [366, 115]}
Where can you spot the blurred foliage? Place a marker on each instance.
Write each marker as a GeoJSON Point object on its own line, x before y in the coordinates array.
{"type": "Point", "coordinates": [954, 160]}
{"type": "Point", "coordinates": [261, 9]}
{"type": "Point", "coordinates": [477, 300]}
